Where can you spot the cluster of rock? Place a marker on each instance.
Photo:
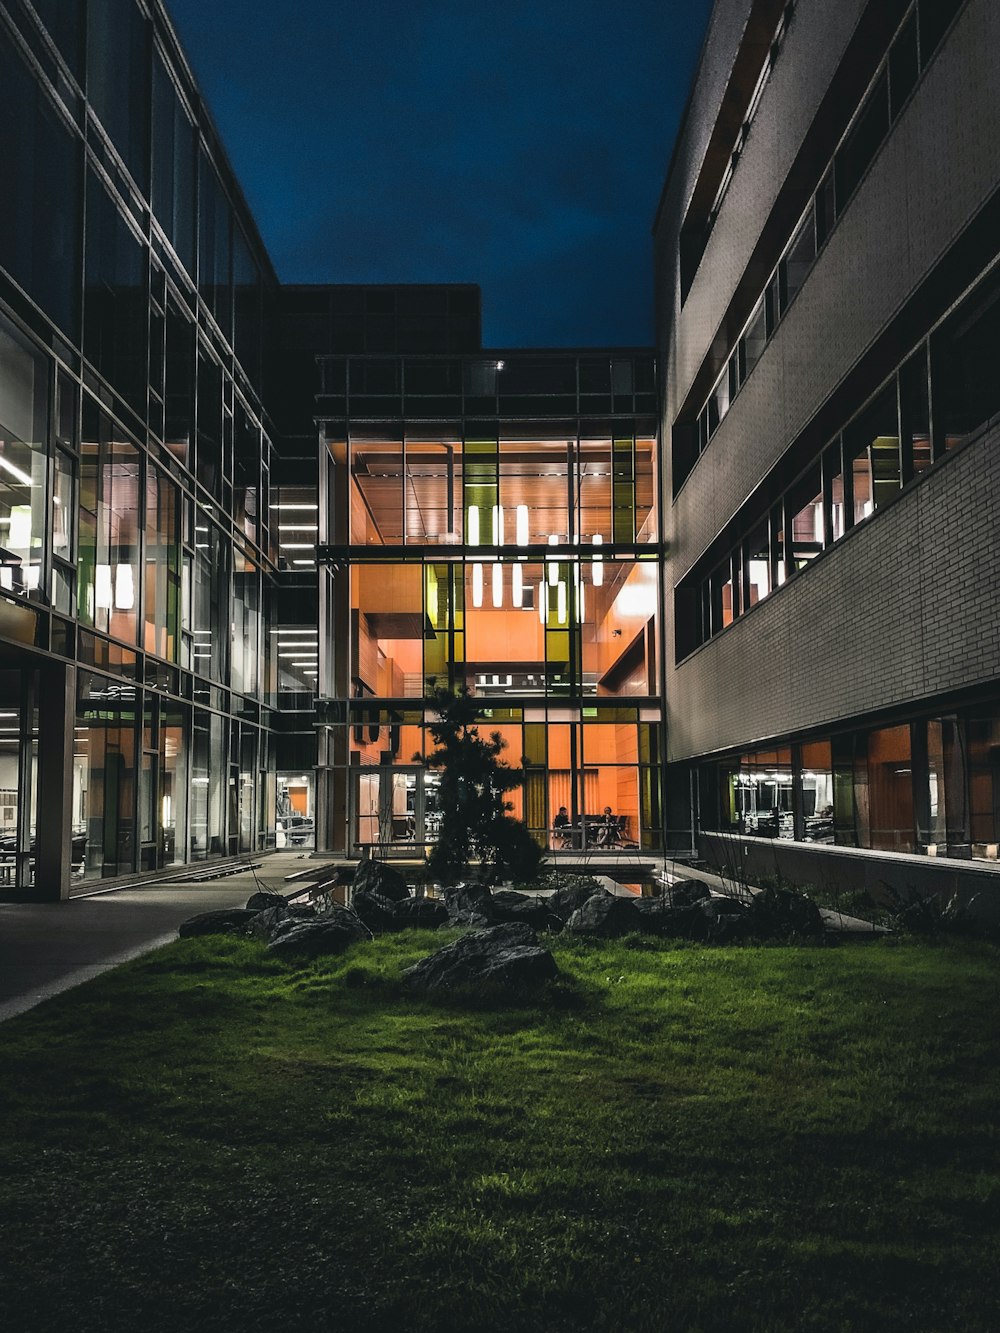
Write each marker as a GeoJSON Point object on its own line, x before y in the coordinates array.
{"type": "Point", "coordinates": [288, 929]}
{"type": "Point", "coordinates": [503, 947]}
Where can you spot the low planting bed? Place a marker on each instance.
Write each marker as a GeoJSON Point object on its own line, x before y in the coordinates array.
{"type": "Point", "coordinates": [666, 1136]}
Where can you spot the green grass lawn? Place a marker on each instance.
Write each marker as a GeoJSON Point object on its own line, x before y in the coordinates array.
{"type": "Point", "coordinates": [678, 1138]}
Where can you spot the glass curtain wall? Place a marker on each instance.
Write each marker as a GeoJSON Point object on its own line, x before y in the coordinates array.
{"type": "Point", "coordinates": [527, 584]}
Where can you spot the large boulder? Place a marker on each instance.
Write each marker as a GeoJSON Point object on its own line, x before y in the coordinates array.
{"type": "Point", "coordinates": [420, 914]}
{"type": "Point", "coordinates": [658, 916]}
{"type": "Point", "coordinates": [223, 921]}
{"type": "Point", "coordinates": [727, 919]}
{"type": "Point", "coordinates": [469, 905]}
{"type": "Point", "coordinates": [605, 915]}
{"type": "Point", "coordinates": [265, 923]}
{"type": "Point", "coordinates": [781, 912]}
{"type": "Point", "coordinates": [686, 892]}
{"type": "Point", "coordinates": [376, 877]}
{"type": "Point", "coordinates": [504, 957]}
{"type": "Point", "coordinates": [376, 910]}
{"type": "Point", "coordinates": [509, 905]}
{"type": "Point", "coordinates": [572, 895]}
{"type": "Point", "coordinates": [333, 932]}
{"type": "Point", "coordinates": [263, 899]}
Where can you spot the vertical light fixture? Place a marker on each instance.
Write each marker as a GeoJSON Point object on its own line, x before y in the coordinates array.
{"type": "Point", "coordinates": [498, 586]}
{"type": "Point", "coordinates": [598, 565]}
{"type": "Point", "coordinates": [561, 603]}
{"type": "Point", "coordinates": [543, 601]}
{"type": "Point", "coordinates": [473, 525]}
{"type": "Point", "coordinates": [521, 524]}
{"type": "Point", "coordinates": [19, 532]}
{"type": "Point", "coordinates": [124, 588]}
{"type": "Point", "coordinates": [498, 525]}
{"type": "Point", "coordinates": [102, 588]}
{"type": "Point", "coordinates": [517, 586]}
{"type": "Point", "coordinates": [553, 564]}
{"type": "Point", "coordinates": [477, 585]}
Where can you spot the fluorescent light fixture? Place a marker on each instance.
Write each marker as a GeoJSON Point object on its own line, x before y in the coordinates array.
{"type": "Point", "coordinates": [553, 565]}
{"type": "Point", "coordinates": [124, 588]}
{"type": "Point", "coordinates": [102, 587]}
{"type": "Point", "coordinates": [498, 586]}
{"type": "Point", "coordinates": [561, 603]}
{"type": "Point", "coordinates": [477, 585]}
{"type": "Point", "coordinates": [473, 524]}
{"type": "Point", "coordinates": [298, 527]}
{"type": "Point", "coordinates": [543, 601]}
{"type": "Point", "coordinates": [521, 524]}
{"type": "Point", "coordinates": [517, 586]}
{"type": "Point", "coordinates": [297, 546]}
{"type": "Point", "coordinates": [598, 565]}
{"type": "Point", "coordinates": [498, 525]}
{"type": "Point", "coordinates": [311, 508]}
{"type": "Point", "coordinates": [15, 472]}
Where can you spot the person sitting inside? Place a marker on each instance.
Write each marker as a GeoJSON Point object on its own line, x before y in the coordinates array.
{"type": "Point", "coordinates": [561, 827]}
{"type": "Point", "coordinates": [607, 829]}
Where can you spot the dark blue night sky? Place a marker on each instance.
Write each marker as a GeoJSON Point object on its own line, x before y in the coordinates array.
{"type": "Point", "coordinates": [520, 144]}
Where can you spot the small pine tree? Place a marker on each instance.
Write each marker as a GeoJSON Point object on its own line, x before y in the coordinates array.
{"type": "Point", "coordinates": [474, 812]}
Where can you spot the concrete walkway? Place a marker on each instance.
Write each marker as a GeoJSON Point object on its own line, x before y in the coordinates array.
{"type": "Point", "coordinates": [46, 948]}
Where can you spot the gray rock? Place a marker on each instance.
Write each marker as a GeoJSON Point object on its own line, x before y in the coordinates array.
{"type": "Point", "coordinates": [224, 921]}
{"type": "Point", "coordinates": [684, 892]}
{"type": "Point", "coordinates": [376, 877]}
{"type": "Point", "coordinates": [265, 923]}
{"type": "Point", "coordinates": [262, 900]}
{"type": "Point", "coordinates": [505, 957]}
{"type": "Point", "coordinates": [469, 905]}
{"type": "Point", "coordinates": [605, 915]}
{"type": "Point", "coordinates": [657, 916]}
{"type": "Point", "coordinates": [782, 912]}
{"type": "Point", "coordinates": [509, 905]}
{"type": "Point", "coordinates": [420, 914]}
{"type": "Point", "coordinates": [376, 910]}
{"type": "Point", "coordinates": [565, 901]}
{"type": "Point", "coordinates": [727, 919]}
{"type": "Point", "coordinates": [331, 933]}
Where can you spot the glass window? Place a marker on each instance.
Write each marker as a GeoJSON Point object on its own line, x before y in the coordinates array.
{"type": "Point", "coordinates": [966, 386]}
{"type": "Point", "coordinates": [758, 563]}
{"type": "Point", "coordinates": [755, 337]}
{"type": "Point", "coordinates": [214, 248]}
{"type": "Point", "coordinates": [209, 771]}
{"type": "Point", "coordinates": [805, 504]}
{"type": "Point", "coordinates": [863, 140]}
{"type": "Point", "coordinates": [210, 419]}
{"type": "Point", "coordinates": [916, 420]}
{"type": "Point", "coordinates": [872, 442]}
{"type": "Point", "coordinates": [104, 772]}
{"type": "Point", "coordinates": [798, 258]}
{"type": "Point", "coordinates": [935, 18]}
{"type": "Point", "coordinates": [246, 624]}
{"type": "Point", "coordinates": [163, 563]}
{"type": "Point", "coordinates": [433, 491]}
{"type": "Point", "coordinates": [983, 739]}
{"type": "Point", "coordinates": [173, 165]}
{"type": "Point", "coordinates": [108, 565]}
{"type": "Point", "coordinates": [64, 21]}
{"type": "Point", "coordinates": [179, 386]}
{"type": "Point", "coordinates": [115, 313]}
{"type": "Point", "coordinates": [904, 66]}
{"type": "Point", "coordinates": [826, 207]}
{"type": "Point", "coordinates": [118, 78]}
{"type": "Point", "coordinates": [817, 792]}
{"type": "Point", "coordinates": [207, 610]}
{"type": "Point", "coordinates": [890, 790]}
{"type": "Point", "coordinates": [40, 236]}
{"type": "Point", "coordinates": [247, 307]}
{"type": "Point", "coordinates": [24, 427]}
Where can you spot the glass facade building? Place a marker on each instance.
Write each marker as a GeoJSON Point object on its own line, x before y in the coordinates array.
{"type": "Point", "coordinates": [140, 562]}
{"type": "Point", "coordinates": [490, 523]}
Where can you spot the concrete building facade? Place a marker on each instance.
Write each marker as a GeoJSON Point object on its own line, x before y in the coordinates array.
{"type": "Point", "coordinates": [829, 334]}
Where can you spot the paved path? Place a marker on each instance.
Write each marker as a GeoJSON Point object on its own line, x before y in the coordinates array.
{"type": "Point", "coordinates": [46, 948]}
